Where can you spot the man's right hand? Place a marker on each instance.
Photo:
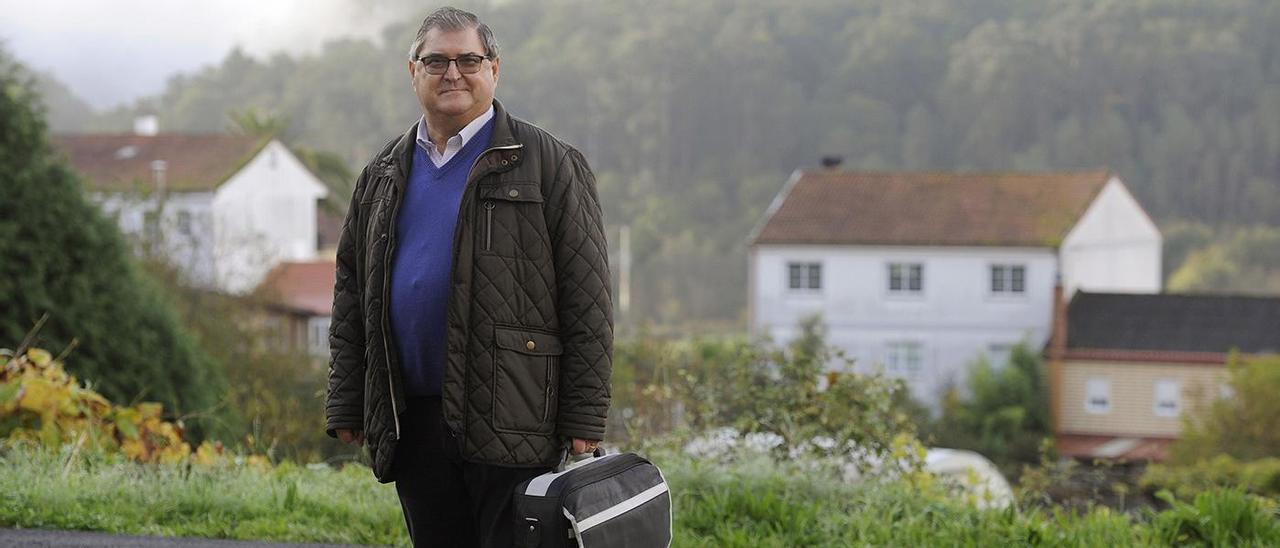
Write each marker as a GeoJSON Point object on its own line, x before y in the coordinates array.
{"type": "Point", "coordinates": [351, 436]}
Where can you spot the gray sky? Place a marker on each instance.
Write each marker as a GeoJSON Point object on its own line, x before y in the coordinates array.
{"type": "Point", "coordinates": [114, 51]}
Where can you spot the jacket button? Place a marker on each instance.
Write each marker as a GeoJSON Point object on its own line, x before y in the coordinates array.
{"type": "Point", "coordinates": [530, 345]}
{"type": "Point", "coordinates": [513, 193]}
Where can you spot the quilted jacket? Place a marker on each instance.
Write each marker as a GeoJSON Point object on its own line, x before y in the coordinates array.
{"type": "Point", "coordinates": [530, 329]}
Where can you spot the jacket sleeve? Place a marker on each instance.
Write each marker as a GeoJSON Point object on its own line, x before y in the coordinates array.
{"type": "Point", "coordinates": [344, 401]}
{"type": "Point", "coordinates": [584, 306]}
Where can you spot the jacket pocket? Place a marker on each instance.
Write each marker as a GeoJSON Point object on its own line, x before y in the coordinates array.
{"type": "Point", "coordinates": [510, 220]}
{"type": "Point", "coordinates": [526, 367]}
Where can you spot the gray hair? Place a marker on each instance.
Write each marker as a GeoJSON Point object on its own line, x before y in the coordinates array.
{"type": "Point", "coordinates": [452, 19]}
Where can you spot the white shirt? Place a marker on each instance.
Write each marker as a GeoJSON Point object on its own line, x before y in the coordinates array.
{"type": "Point", "coordinates": [455, 143]}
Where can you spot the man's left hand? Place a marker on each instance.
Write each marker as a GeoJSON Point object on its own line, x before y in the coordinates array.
{"type": "Point", "coordinates": [581, 446]}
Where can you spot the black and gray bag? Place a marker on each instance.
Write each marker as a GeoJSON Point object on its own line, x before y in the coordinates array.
{"type": "Point", "coordinates": [618, 500]}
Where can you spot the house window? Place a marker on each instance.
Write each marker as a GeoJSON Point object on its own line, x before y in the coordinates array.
{"type": "Point", "coordinates": [1008, 279]}
{"type": "Point", "coordinates": [906, 278]}
{"type": "Point", "coordinates": [905, 359]}
{"type": "Point", "coordinates": [1168, 398]}
{"type": "Point", "coordinates": [184, 223]}
{"type": "Point", "coordinates": [318, 335]}
{"type": "Point", "coordinates": [1097, 395]}
{"type": "Point", "coordinates": [804, 276]}
{"type": "Point", "coordinates": [998, 354]}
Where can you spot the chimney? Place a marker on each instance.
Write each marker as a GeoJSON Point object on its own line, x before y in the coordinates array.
{"type": "Point", "coordinates": [1057, 354]}
{"type": "Point", "coordinates": [832, 161]}
{"type": "Point", "coordinates": [148, 125]}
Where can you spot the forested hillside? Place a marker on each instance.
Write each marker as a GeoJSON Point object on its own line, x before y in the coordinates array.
{"type": "Point", "coordinates": [693, 113]}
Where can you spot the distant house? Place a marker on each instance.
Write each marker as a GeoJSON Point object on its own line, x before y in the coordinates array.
{"type": "Point", "coordinates": [223, 209]}
{"type": "Point", "coordinates": [923, 273]}
{"type": "Point", "coordinates": [1130, 366]}
{"type": "Point", "coordinates": [298, 302]}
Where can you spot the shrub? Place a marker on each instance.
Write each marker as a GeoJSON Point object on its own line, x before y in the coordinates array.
{"type": "Point", "coordinates": [1260, 477]}
{"type": "Point", "coordinates": [1005, 417]}
{"type": "Point", "coordinates": [1243, 425]}
{"type": "Point", "coordinates": [796, 392]}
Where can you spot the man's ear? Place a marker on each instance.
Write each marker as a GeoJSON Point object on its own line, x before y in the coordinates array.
{"type": "Point", "coordinates": [496, 63]}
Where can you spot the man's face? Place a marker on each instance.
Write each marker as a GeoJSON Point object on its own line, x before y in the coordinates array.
{"type": "Point", "coordinates": [454, 94]}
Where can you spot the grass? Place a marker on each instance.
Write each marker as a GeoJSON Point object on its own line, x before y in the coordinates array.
{"type": "Point", "coordinates": [749, 503]}
{"type": "Point", "coordinates": [288, 503]}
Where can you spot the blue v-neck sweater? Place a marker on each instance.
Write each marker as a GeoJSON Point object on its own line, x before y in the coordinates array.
{"type": "Point", "coordinates": [423, 262]}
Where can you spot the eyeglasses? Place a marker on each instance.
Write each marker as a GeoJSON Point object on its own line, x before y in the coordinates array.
{"type": "Point", "coordinates": [468, 63]}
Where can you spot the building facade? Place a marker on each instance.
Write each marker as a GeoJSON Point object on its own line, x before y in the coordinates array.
{"type": "Point", "coordinates": [922, 274]}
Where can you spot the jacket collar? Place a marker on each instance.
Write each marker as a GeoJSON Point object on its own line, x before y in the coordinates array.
{"type": "Point", "coordinates": [401, 155]}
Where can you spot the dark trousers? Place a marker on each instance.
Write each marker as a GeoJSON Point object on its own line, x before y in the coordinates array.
{"type": "Point", "coordinates": [448, 502]}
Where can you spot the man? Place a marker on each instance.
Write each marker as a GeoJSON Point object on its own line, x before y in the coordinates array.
{"type": "Point", "coordinates": [472, 328]}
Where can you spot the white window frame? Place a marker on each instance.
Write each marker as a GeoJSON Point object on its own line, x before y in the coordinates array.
{"type": "Point", "coordinates": [1097, 395]}
{"type": "Point", "coordinates": [808, 279]}
{"type": "Point", "coordinates": [1002, 281]}
{"type": "Point", "coordinates": [1167, 398]}
{"type": "Point", "coordinates": [904, 358]}
{"type": "Point", "coordinates": [906, 271]}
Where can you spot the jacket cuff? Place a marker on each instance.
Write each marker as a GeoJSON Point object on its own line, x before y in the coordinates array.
{"type": "Point", "coordinates": [581, 426]}
{"type": "Point", "coordinates": [333, 424]}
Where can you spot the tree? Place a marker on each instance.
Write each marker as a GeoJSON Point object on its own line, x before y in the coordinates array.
{"type": "Point", "coordinates": [1240, 423]}
{"type": "Point", "coordinates": [61, 257]}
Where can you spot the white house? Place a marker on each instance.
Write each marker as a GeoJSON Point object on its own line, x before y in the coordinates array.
{"type": "Point", "coordinates": [223, 209]}
{"type": "Point", "coordinates": [923, 273]}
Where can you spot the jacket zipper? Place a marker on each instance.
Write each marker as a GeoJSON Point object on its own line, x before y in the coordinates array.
{"type": "Point", "coordinates": [457, 236]}
{"type": "Point", "coordinates": [386, 296]}
{"type": "Point", "coordinates": [488, 224]}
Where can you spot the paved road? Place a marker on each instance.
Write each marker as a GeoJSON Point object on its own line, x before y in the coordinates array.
{"type": "Point", "coordinates": [39, 538]}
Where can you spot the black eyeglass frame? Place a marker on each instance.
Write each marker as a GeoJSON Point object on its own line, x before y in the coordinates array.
{"type": "Point", "coordinates": [480, 59]}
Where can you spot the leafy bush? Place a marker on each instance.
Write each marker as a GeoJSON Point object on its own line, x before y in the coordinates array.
{"type": "Point", "coordinates": [1260, 477]}
{"type": "Point", "coordinates": [794, 392]}
{"type": "Point", "coordinates": [1243, 425]}
{"type": "Point", "coordinates": [41, 404]}
{"type": "Point", "coordinates": [1005, 416]}
{"type": "Point", "coordinates": [60, 256]}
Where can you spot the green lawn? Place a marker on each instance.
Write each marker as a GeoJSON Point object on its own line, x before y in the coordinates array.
{"type": "Point", "coordinates": [751, 504]}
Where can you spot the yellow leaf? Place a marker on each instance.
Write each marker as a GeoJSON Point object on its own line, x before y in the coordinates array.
{"type": "Point", "coordinates": [39, 356]}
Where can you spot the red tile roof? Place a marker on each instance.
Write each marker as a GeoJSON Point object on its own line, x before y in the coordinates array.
{"type": "Point", "coordinates": [305, 287]}
{"type": "Point", "coordinates": [982, 209]}
{"type": "Point", "coordinates": [122, 161]}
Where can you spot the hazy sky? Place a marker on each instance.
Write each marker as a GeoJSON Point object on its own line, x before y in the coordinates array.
{"type": "Point", "coordinates": [112, 51]}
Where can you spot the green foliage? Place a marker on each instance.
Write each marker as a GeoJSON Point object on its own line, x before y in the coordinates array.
{"type": "Point", "coordinates": [1005, 415]}
{"type": "Point", "coordinates": [1259, 477]}
{"type": "Point", "coordinates": [1220, 518]}
{"type": "Point", "coordinates": [1241, 260]}
{"type": "Point", "coordinates": [274, 405]}
{"type": "Point", "coordinates": [760, 503]}
{"type": "Point", "coordinates": [96, 492]}
{"type": "Point", "coordinates": [702, 384]}
{"type": "Point", "coordinates": [1242, 425]}
{"type": "Point", "coordinates": [60, 256]}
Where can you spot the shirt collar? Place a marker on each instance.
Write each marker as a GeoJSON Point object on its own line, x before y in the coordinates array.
{"type": "Point", "coordinates": [424, 138]}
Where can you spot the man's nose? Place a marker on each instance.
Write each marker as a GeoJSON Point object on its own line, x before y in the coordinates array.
{"type": "Point", "coordinates": [452, 72]}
